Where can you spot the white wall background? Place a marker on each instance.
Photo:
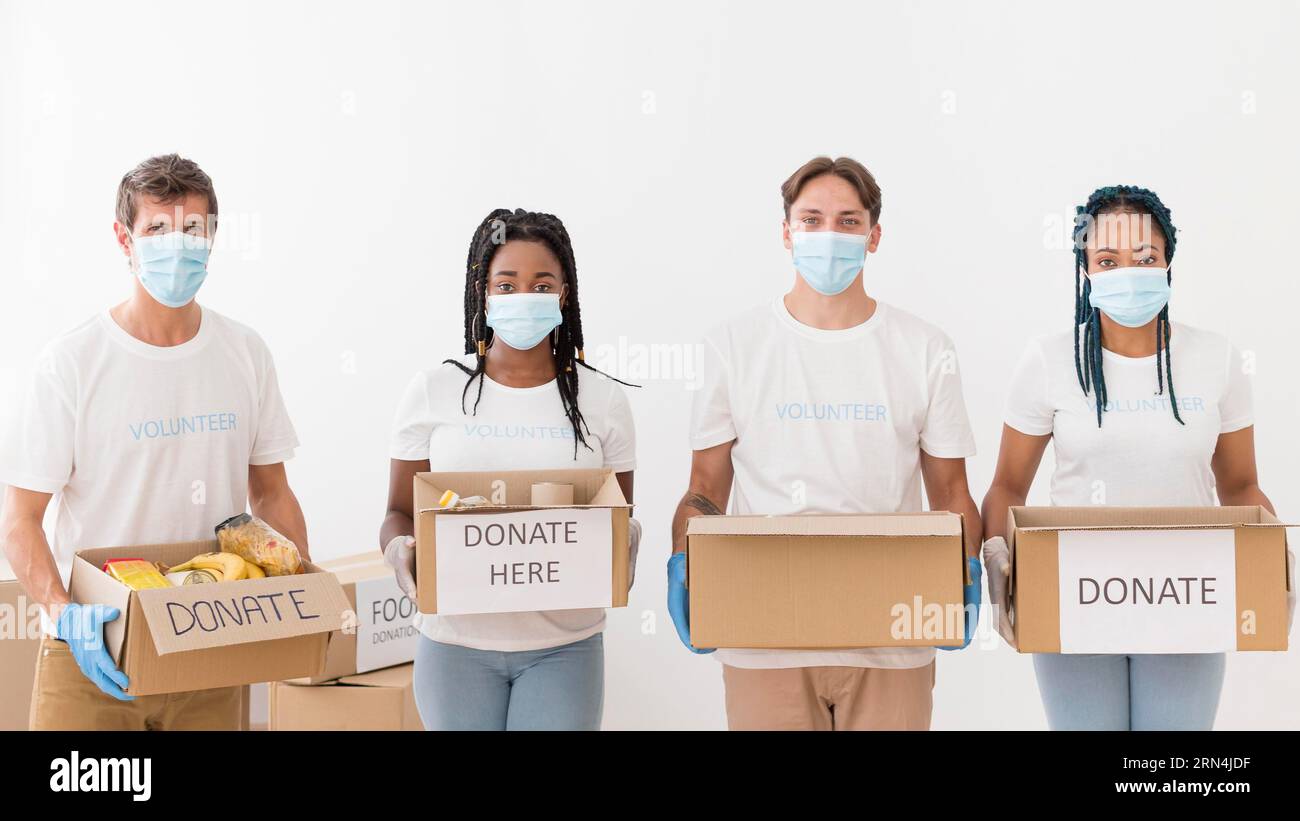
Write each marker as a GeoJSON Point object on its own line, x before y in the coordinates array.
{"type": "Point", "coordinates": [356, 145]}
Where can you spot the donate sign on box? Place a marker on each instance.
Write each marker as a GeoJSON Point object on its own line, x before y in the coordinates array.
{"type": "Point", "coordinates": [547, 559]}
{"type": "Point", "coordinates": [513, 554]}
{"type": "Point", "coordinates": [1101, 579]}
{"type": "Point", "coordinates": [1157, 591]}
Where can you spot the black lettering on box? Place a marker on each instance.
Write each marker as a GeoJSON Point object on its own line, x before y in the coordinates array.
{"type": "Point", "coordinates": [1135, 591]}
{"type": "Point", "coordinates": [212, 614]}
{"type": "Point", "coordinates": [271, 597]}
{"type": "Point", "coordinates": [223, 611]}
{"type": "Point", "coordinates": [171, 613]}
{"type": "Point", "coordinates": [297, 605]}
{"type": "Point", "coordinates": [1096, 591]}
{"type": "Point", "coordinates": [251, 605]}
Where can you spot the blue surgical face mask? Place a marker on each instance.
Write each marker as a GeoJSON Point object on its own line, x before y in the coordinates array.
{"type": "Point", "coordinates": [172, 266]}
{"type": "Point", "coordinates": [1130, 296]}
{"type": "Point", "coordinates": [523, 320]}
{"type": "Point", "coordinates": [827, 260]}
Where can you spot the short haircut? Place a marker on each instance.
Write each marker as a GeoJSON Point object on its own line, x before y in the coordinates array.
{"type": "Point", "coordinates": [166, 178]}
{"type": "Point", "coordinates": [847, 169]}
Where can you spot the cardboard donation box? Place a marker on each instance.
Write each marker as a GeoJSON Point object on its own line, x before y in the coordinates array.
{"type": "Point", "coordinates": [514, 555]}
{"type": "Point", "coordinates": [378, 630]}
{"type": "Point", "coordinates": [379, 700]}
{"type": "Point", "coordinates": [1146, 580]}
{"type": "Point", "coordinates": [826, 581]}
{"type": "Point", "coordinates": [20, 640]}
{"type": "Point", "coordinates": [223, 634]}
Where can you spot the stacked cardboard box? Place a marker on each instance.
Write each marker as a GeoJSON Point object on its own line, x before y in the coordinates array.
{"type": "Point", "coordinates": [20, 636]}
{"type": "Point", "coordinates": [365, 683]}
{"type": "Point", "coordinates": [378, 700]}
{"type": "Point", "coordinates": [379, 631]}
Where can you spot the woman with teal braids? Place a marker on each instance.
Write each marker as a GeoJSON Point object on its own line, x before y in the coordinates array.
{"type": "Point", "coordinates": [1122, 436]}
{"type": "Point", "coordinates": [1145, 205]}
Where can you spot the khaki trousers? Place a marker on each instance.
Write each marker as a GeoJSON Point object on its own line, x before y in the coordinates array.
{"type": "Point", "coordinates": [64, 699]}
{"type": "Point", "coordinates": [829, 698]}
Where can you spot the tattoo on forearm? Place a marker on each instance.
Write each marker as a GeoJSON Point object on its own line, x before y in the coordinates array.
{"type": "Point", "coordinates": [701, 504]}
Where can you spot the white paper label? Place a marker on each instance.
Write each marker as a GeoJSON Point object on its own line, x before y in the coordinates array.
{"type": "Point", "coordinates": [1148, 591]}
{"type": "Point", "coordinates": [551, 559]}
{"type": "Point", "coordinates": [386, 634]}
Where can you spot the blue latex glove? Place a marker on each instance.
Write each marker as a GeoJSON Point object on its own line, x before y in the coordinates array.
{"type": "Point", "coordinates": [82, 627]}
{"type": "Point", "coordinates": [678, 605]}
{"type": "Point", "coordinates": [972, 594]}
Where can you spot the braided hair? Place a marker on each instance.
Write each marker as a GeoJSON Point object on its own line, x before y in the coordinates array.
{"type": "Point", "coordinates": [1088, 357]}
{"type": "Point", "coordinates": [496, 229]}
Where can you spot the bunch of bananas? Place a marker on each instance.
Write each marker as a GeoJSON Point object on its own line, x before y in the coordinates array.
{"type": "Point", "coordinates": [214, 567]}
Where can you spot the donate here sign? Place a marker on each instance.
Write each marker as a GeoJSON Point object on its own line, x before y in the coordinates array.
{"type": "Point", "coordinates": [1148, 591]}
{"type": "Point", "coordinates": [511, 562]}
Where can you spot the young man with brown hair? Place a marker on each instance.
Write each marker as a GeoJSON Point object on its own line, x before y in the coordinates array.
{"type": "Point", "coordinates": [151, 422]}
{"type": "Point", "coordinates": [826, 400]}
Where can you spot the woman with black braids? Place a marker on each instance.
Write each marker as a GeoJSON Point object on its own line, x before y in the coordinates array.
{"type": "Point", "coordinates": [522, 398]}
{"type": "Point", "coordinates": [1143, 412]}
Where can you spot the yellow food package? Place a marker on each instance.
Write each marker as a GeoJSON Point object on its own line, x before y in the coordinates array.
{"type": "Point", "coordinates": [136, 574]}
{"type": "Point", "coordinates": [258, 543]}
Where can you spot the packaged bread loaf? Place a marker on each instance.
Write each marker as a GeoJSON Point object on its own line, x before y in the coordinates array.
{"type": "Point", "coordinates": [256, 542]}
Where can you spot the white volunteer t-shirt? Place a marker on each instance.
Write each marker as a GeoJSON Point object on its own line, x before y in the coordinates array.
{"type": "Point", "coordinates": [829, 422]}
{"type": "Point", "coordinates": [1140, 455]}
{"type": "Point", "coordinates": [513, 429]}
{"type": "Point", "coordinates": [142, 444]}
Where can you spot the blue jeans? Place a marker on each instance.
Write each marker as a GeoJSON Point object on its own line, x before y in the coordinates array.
{"type": "Point", "coordinates": [559, 688]}
{"type": "Point", "coordinates": [1137, 692]}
